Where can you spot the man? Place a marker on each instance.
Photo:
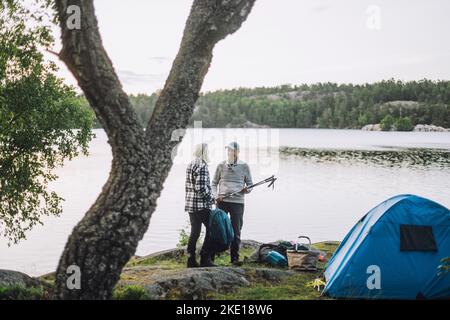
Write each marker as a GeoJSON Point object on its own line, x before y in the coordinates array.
{"type": "Point", "coordinates": [232, 175]}
{"type": "Point", "coordinates": [198, 204]}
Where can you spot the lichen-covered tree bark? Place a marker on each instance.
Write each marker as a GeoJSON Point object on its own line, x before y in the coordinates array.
{"type": "Point", "coordinates": [107, 236]}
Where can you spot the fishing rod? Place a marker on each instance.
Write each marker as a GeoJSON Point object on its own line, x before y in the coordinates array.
{"type": "Point", "coordinates": [271, 180]}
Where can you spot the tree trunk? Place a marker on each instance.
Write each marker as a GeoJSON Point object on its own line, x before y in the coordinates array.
{"type": "Point", "coordinates": [108, 235]}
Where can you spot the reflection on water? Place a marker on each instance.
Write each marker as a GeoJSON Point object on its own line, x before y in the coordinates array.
{"type": "Point", "coordinates": [319, 199]}
{"type": "Point", "coordinates": [414, 158]}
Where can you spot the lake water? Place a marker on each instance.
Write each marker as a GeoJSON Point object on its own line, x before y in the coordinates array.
{"type": "Point", "coordinates": [321, 200]}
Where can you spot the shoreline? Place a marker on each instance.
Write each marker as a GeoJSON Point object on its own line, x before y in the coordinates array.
{"type": "Point", "coordinates": [163, 275]}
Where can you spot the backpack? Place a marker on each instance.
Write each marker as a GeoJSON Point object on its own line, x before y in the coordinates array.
{"type": "Point", "coordinates": [276, 259]}
{"type": "Point", "coordinates": [220, 230]}
{"type": "Point", "coordinates": [281, 247]}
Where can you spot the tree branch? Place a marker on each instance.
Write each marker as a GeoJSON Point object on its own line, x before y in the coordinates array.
{"type": "Point", "coordinates": [86, 58]}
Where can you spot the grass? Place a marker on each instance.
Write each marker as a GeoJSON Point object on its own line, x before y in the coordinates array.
{"type": "Point", "coordinates": [327, 246]}
{"type": "Point", "coordinates": [160, 263]}
{"type": "Point", "coordinates": [297, 287]}
{"type": "Point", "coordinates": [17, 292]}
{"type": "Point", "coordinates": [223, 259]}
{"type": "Point", "coordinates": [130, 292]}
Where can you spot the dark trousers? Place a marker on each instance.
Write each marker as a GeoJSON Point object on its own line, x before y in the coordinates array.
{"type": "Point", "coordinates": [197, 219]}
{"type": "Point", "coordinates": [236, 211]}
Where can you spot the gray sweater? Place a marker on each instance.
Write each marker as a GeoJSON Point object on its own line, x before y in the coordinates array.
{"type": "Point", "coordinates": [231, 178]}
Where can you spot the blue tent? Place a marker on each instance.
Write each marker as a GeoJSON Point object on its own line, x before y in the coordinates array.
{"type": "Point", "coordinates": [393, 252]}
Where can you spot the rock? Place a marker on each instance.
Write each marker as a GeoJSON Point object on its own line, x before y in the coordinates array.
{"type": "Point", "coordinates": [249, 124]}
{"type": "Point", "coordinates": [371, 127]}
{"type": "Point", "coordinates": [246, 124]}
{"type": "Point", "coordinates": [273, 275]}
{"type": "Point", "coordinates": [15, 278]}
{"type": "Point", "coordinates": [192, 284]}
{"type": "Point", "coordinates": [175, 253]}
{"type": "Point", "coordinates": [195, 283]}
{"type": "Point", "coordinates": [417, 128]}
{"type": "Point", "coordinates": [404, 104]}
{"type": "Point", "coordinates": [250, 244]}
{"type": "Point", "coordinates": [429, 128]}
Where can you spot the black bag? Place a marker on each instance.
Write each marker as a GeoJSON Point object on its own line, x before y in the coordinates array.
{"type": "Point", "coordinates": [280, 247]}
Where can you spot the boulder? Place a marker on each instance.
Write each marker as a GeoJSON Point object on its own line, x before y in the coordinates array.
{"type": "Point", "coordinates": [272, 274]}
{"type": "Point", "coordinates": [371, 127]}
{"type": "Point", "coordinates": [175, 253]}
{"type": "Point", "coordinates": [417, 128]}
{"type": "Point", "coordinates": [9, 278]}
{"type": "Point", "coordinates": [250, 244]}
{"type": "Point", "coordinates": [195, 283]}
{"type": "Point", "coordinates": [246, 124]}
{"type": "Point", "coordinates": [190, 284]}
{"type": "Point", "coordinates": [429, 128]}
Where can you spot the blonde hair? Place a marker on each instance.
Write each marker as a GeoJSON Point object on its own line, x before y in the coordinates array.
{"type": "Point", "coordinates": [201, 152]}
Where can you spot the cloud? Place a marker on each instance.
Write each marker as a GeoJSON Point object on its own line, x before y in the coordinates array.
{"type": "Point", "coordinates": [131, 77]}
{"type": "Point", "coordinates": [160, 60]}
{"type": "Point", "coordinates": [321, 7]}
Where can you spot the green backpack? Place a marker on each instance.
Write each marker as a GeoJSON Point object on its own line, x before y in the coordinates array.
{"type": "Point", "coordinates": [220, 230]}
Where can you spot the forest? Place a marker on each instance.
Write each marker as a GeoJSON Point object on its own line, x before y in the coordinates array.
{"type": "Point", "coordinates": [392, 103]}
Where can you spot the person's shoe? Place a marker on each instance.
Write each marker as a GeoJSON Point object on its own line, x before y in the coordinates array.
{"type": "Point", "coordinates": [236, 263]}
{"type": "Point", "coordinates": [192, 263]}
{"type": "Point", "coordinates": [205, 261]}
{"type": "Point", "coordinates": [207, 264]}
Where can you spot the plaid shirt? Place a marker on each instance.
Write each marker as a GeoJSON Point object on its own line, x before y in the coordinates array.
{"type": "Point", "coordinates": [198, 188]}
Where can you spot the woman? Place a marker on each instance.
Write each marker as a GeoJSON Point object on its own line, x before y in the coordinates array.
{"type": "Point", "coordinates": [199, 200]}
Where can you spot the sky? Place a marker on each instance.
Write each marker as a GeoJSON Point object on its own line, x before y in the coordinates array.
{"type": "Point", "coordinates": [282, 42]}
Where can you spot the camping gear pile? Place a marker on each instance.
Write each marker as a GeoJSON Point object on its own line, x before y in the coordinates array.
{"type": "Point", "coordinates": [295, 255]}
{"type": "Point", "coordinates": [394, 252]}
{"type": "Point", "coordinates": [274, 253]}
